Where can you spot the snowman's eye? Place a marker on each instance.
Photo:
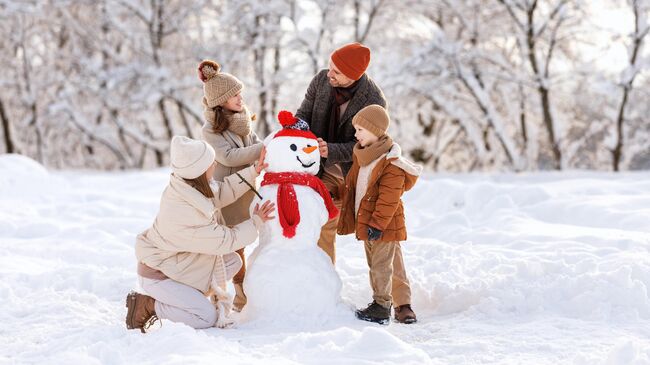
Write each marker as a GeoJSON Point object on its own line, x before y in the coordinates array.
{"type": "Point", "coordinates": [293, 147]}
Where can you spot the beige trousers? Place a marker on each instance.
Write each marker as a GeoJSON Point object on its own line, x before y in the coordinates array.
{"type": "Point", "coordinates": [327, 239]}
{"type": "Point", "coordinates": [388, 280]}
{"type": "Point", "coordinates": [181, 303]}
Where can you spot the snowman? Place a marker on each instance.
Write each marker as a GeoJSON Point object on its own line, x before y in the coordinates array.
{"type": "Point", "coordinates": [289, 277]}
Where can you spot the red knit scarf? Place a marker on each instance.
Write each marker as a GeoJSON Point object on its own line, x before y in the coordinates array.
{"type": "Point", "coordinates": [288, 210]}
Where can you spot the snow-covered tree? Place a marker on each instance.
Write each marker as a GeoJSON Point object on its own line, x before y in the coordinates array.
{"type": "Point", "coordinates": [636, 64]}
{"type": "Point", "coordinates": [471, 84]}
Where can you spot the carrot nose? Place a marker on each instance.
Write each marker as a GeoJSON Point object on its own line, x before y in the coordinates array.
{"type": "Point", "coordinates": [310, 149]}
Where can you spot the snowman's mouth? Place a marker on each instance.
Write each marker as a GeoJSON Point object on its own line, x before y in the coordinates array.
{"type": "Point", "coordinates": [303, 164]}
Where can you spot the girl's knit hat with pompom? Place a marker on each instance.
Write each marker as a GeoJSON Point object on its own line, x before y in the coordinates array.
{"type": "Point", "coordinates": [218, 86]}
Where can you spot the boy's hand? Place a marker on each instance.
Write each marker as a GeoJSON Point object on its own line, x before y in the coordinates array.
{"type": "Point", "coordinates": [322, 148]}
{"type": "Point", "coordinates": [373, 234]}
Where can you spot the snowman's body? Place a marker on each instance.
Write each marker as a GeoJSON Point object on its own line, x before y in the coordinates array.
{"type": "Point", "coordinates": [313, 216]}
{"type": "Point", "coordinates": [288, 275]}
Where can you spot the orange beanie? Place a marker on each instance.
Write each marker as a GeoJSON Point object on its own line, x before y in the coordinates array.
{"type": "Point", "coordinates": [352, 60]}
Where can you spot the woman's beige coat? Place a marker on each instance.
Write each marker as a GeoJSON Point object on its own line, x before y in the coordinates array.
{"type": "Point", "coordinates": [185, 238]}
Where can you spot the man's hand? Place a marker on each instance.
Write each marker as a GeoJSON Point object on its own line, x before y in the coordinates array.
{"type": "Point", "coordinates": [322, 148]}
{"type": "Point", "coordinates": [373, 234]}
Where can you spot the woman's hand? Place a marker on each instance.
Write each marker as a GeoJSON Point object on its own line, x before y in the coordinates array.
{"type": "Point", "coordinates": [260, 165]}
{"type": "Point", "coordinates": [264, 212]}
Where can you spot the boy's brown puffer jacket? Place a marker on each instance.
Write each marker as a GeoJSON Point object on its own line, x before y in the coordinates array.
{"type": "Point", "coordinates": [381, 207]}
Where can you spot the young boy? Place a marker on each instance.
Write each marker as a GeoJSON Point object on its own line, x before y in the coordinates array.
{"type": "Point", "coordinates": [372, 208]}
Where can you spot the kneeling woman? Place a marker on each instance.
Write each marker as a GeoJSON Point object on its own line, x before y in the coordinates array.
{"type": "Point", "coordinates": [186, 252]}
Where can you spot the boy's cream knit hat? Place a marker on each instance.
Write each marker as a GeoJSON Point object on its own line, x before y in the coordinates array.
{"type": "Point", "coordinates": [374, 118]}
{"type": "Point", "coordinates": [190, 158]}
{"type": "Point", "coordinates": [218, 87]}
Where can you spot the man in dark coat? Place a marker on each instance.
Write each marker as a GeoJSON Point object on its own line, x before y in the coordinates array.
{"type": "Point", "coordinates": [334, 96]}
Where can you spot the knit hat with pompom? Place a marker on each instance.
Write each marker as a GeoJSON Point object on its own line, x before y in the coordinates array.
{"type": "Point", "coordinates": [218, 86]}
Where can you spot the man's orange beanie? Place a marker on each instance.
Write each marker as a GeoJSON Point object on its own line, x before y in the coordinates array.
{"type": "Point", "coordinates": [352, 60]}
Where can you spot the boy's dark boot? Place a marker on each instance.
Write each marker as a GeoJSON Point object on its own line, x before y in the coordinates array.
{"type": "Point", "coordinates": [404, 314]}
{"type": "Point", "coordinates": [141, 313]}
{"type": "Point", "coordinates": [374, 313]}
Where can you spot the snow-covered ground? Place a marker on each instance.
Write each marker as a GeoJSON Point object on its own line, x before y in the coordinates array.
{"type": "Point", "coordinates": [542, 268]}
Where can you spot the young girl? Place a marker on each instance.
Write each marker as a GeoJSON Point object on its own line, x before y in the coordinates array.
{"type": "Point", "coordinates": [372, 208]}
{"type": "Point", "coordinates": [228, 130]}
{"type": "Point", "coordinates": [186, 254]}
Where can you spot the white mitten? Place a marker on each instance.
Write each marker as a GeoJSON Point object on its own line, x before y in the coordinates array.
{"type": "Point", "coordinates": [223, 302]}
{"type": "Point", "coordinates": [221, 299]}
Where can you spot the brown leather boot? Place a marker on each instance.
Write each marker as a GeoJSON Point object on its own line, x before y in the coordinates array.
{"type": "Point", "coordinates": [240, 298]}
{"type": "Point", "coordinates": [141, 312]}
{"type": "Point", "coordinates": [404, 314]}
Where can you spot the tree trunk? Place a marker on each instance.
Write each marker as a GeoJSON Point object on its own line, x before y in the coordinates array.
{"type": "Point", "coordinates": [186, 123]}
{"type": "Point", "coordinates": [276, 85]}
{"type": "Point", "coordinates": [32, 106]}
{"type": "Point", "coordinates": [6, 128]}
{"type": "Point", "coordinates": [159, 155]}
{"type": "Point", "coordinates": [261, 95]}
{"type": "Point", "coordinates": [357, 20]}
{"type": "Point", "coordinates": [489, 117]}
{"type": "Point", "coordinates": [259, 59]}
{"type": "Point", "coordinates": [359, 35]}
{"type": "Point", "coordinates": [627, 88]}
{"type": "Point", "coordinates": [37, 132]}
{"type": "Point", "coordinates": [618, 150]}
{"type": "Point", "coordinates": [166, 121]}
{"type": "Point", "coordinates": [548, 122]}
{"type": "Point", "coordinates": [543, 91]}
{"type": "Point", "coordinates": [522, 119]}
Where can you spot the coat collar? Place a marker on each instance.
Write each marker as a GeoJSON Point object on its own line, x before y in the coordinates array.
{"type": "Point", "coordinates": [234, 137]}
{"type": "Point", "coordinates": [395, 157]}
{"type": "Point", "coordinates": [192, 196]}
{"type": "Point", "coordinates": [230, 136]}
{"type": "Point", "coordinates": [359, 99]}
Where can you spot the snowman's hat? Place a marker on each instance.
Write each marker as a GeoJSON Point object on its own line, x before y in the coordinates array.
{"type": "Point", "coordinates": [293, 127]}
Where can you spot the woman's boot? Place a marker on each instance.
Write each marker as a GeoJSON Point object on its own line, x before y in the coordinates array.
{"type": "Point", "coordinates": [141, 312]}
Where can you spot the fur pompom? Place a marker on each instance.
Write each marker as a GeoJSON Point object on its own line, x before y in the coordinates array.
{"type": "Point", "coordinates": [208, 69]}
{"type": "Point", "coordinates": [286, 118]}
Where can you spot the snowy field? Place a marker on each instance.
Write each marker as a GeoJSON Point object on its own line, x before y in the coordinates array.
{"type": "Point", "coordinates": [507, 269]}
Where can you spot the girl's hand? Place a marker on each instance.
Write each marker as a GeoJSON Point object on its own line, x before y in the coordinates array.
{"type": "Point", "coordinates": [264, 212]}
{"type": "Point", "coordinates": [260, 165]}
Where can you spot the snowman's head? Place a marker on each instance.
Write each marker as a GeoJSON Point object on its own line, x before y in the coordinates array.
{"type": "Point", "coordinates": [293, 148]}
